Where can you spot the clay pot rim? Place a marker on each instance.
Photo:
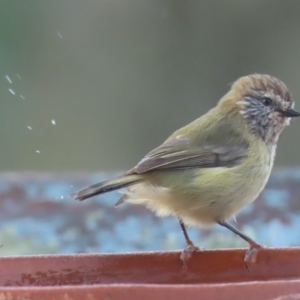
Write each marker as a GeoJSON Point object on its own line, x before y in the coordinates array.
{"type": "Point", "coordinates": [285, 250]}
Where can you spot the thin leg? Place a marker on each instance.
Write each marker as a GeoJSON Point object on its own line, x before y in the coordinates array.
{"type": "Point", "coordinates": [250, 256]}
{"type": "Point", "coordinates": [186, 253]}
{"type": "Point", "coordinates": [186, 236]}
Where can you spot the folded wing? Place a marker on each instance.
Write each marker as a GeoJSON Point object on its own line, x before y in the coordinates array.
{"type": "Point", "coordinates": [180, 153]}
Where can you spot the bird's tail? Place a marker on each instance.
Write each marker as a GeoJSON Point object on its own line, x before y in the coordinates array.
{"type": "Point", "coordinates": [106, 186]}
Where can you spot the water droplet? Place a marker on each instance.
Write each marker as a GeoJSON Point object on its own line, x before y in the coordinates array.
{"type": "Point", "coordinates": [53, 122]}
{"type": "Point", "coordinates": [59, 35]}
{"type": "Point", "coordinates": [22, 97]}
{"type": "Point", "coordinates": [37, 151]}
{"type": "Point", "coordinates": [29, 127]}
{"type": "Point", "coordinates": [11, 91]}
{"type": "Point", "coordinates": [8, 79]}
{"type": "Point", "coordinates": [61, 197]}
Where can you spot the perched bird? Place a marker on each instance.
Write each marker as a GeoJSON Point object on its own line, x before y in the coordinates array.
{"type": "Point", "coordinates": [208, 170]}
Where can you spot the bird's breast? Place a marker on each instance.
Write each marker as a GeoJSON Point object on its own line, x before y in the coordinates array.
{"type": "Point", "coordinates": [207, 195]}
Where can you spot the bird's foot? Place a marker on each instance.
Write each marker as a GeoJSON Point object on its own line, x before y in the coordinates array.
{"type": "Point", "coordinates": [187, 253]}
{"type": "Point", "coordinates": [251, 254]}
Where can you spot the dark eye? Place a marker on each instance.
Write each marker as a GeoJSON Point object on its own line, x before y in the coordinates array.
{"type": "Point", "coordinates": [266, 101]}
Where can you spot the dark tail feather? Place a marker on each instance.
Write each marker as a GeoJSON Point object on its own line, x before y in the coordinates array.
{"type": "Point", "coordinates": [106, 186]}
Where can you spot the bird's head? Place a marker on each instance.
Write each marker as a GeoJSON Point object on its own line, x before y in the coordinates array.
{"type": "Point", "coordinates": [265, 104]}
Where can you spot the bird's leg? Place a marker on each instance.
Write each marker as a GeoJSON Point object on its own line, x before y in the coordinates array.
{"type": "Point", "coordinates": [251, 253]}
{"type": "Point", "coordinates": [186, 253]}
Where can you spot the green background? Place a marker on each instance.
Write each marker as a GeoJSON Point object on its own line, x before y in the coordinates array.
{"type": "Point", "coordinates": [119, 76]}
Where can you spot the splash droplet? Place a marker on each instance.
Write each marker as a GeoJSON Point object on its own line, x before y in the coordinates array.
{"type": "Point", "coordinates": [37, 151]}
{"type": "Point", "coordinates": [53, 122]}
{"type": "Point", "coordinates": [22, 97]}
{"type": "Point", "coordinates": [59, 35]}
{"type": "Point", "coordinates": [12, 91]}
{"type": "Point", "coordinates": [8, 79]}
{"type": "Point", "coordinates": [18, 76]}
{"type": "Point", "coordinates": [29, 127]}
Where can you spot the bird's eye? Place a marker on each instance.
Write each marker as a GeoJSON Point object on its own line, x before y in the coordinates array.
{"type": "Point", "coordinates": [266, 101]}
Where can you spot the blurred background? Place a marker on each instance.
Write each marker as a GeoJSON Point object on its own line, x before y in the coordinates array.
{"type": "Point", "coordinates": [117, 77]}
{"type": "Point", "coordinates": [94, 85]}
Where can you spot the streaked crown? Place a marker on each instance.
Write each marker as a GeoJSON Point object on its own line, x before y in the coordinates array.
{"type": "Point", "coordinates": [264, 102]}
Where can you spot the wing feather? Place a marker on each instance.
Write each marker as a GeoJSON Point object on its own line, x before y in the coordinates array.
{"type": "Point", "coordinates": [179, 153]}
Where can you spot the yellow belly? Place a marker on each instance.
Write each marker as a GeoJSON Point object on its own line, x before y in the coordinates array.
{"type": "Point", "coordinates": [200, 197]}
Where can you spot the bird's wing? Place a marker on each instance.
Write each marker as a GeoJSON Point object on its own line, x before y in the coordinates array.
{"type": "Point", "coordinates": [180, 153]}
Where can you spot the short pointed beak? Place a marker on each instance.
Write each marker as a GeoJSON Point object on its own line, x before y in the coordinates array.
{"type": "Point", "coordinates": [289, 112]}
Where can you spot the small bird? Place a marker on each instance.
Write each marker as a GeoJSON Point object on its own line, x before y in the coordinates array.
{"type": "Point", "coordinates": [208, 170]}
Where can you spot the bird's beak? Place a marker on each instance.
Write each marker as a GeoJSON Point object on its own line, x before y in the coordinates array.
{"type": "Point", "coordinates": [289, 112]}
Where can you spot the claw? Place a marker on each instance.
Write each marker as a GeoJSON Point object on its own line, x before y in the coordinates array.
{"type": "Point", "coordinates": [251, 255]}
{"type": "Point", "coordinates": [187, 253]}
